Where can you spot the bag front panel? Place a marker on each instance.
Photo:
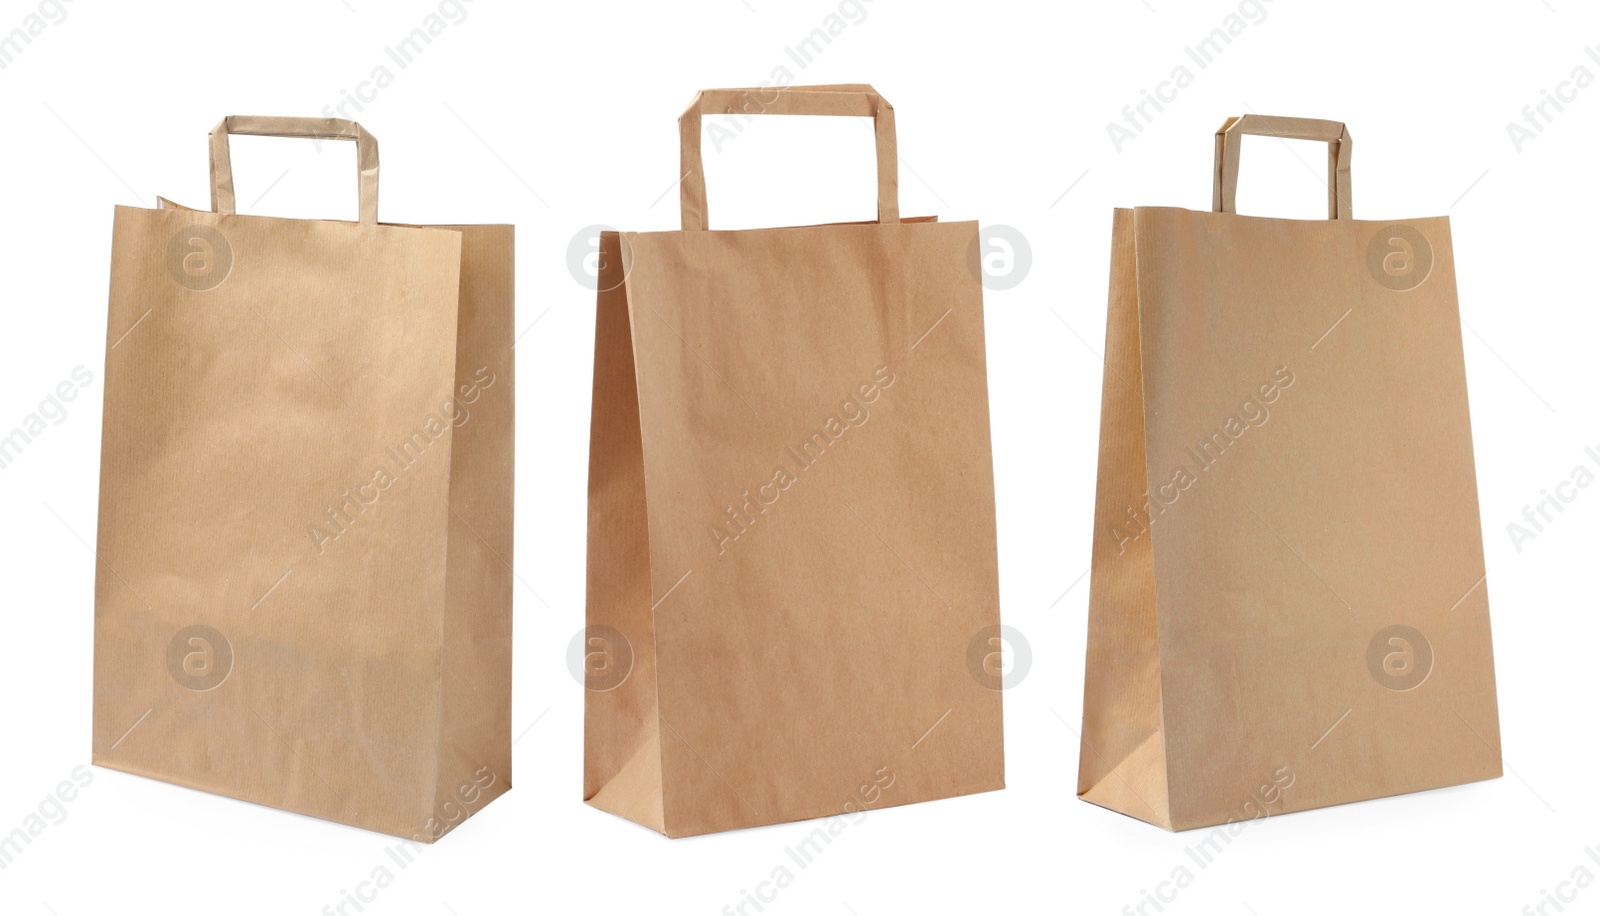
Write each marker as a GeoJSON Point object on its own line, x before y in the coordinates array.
{"type": "Point", "coordinates": [815, 428]}
{"type": "Point", "coordinates": [1319, 573]}
{"type": "Point", "coordinates": [276, 459]}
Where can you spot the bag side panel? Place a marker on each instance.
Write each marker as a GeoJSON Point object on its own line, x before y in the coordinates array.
{"type": "Point", "coordinates": [475, 725]}
{"type": "Point", "coordinates": [621, 760]}
{"type": "Point", "coordinates": [1122, 758]}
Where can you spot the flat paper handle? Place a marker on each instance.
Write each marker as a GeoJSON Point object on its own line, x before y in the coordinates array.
{"type": "Point", "coordinates": [222, 198]}
{"type": "Point", "coordinates": [849, 100]}
{"type": "Point", "coordinates": [1225, 186]}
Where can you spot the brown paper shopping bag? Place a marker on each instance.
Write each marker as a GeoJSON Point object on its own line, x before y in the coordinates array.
{"type": "Point", "coordinates": [303, 596]}
{"type": "Point", "coordinates": [1288, 602]}
{"type": "Point", "coordinates": [792, 572]}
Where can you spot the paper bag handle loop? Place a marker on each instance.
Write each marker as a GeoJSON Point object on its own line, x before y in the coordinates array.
{"type": "Point", "coordinates": [222, 196]}
{"type": "Point", "coordinates": [858, 100]}
{"type": "Point", "coordinates": [1225, 186]}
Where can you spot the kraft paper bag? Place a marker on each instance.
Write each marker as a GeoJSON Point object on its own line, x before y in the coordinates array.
{"type": "Point", "coordinates": [792, 583]}
{"type": "Point", "coordinates": [1288, 602]}
{"type": "Point", "coordinates": [303, 595]}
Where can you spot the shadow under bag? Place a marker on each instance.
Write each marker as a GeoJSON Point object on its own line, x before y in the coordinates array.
{"type": "Point", "coordinates": [1288, 606]}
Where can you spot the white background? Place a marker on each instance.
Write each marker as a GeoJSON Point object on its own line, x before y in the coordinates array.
{"type": "Point", "coordinates": [559, 116]}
